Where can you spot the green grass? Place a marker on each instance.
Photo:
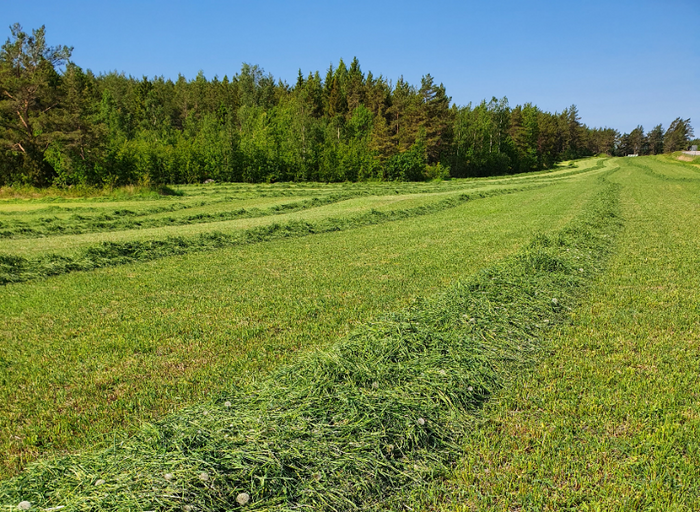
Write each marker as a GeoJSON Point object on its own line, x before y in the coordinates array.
{"type": "Point", "coordinates": [61, 221]}
{"type": "Point", "coordinates": [29, 198]}
{"type": "Point", "coordinates": [33, 258]}
{"type": "Point", "coordinates": [354, 426]}
{"type": "Point", "coordinates": [89, 352]}
{"type": "Point", "coordinates": [686, 159]}
{"type": "Point", "coordinates": [211, 213]}
{"type": "Point", "coordinates": [27, 192]}
{"type": "Point", "coordinates": [611, 419]}
{"type": "Point", "coordinates": [585, 402]}
{"type": "Point", "coordinates": [32, 220]}
{"type": "Point", "coordinates": [664, 168]}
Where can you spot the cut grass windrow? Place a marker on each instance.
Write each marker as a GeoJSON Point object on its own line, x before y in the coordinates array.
{"type": "Point", "coordinates": [353, 427]}
{"type": "Point", "coordinates": [663, 170]}
{"type": "Point", "coordinates": [14, 269]}
{"type": "Point", "coordinates": [609, 420]}
{"type": "Point", "coordinates": [82, 219]}
{"type": "Point", "coordinates": [569, 170]}
{"type": "Point", "coordinates": [86, 219]}
{"type": "Point", "coordinates": [128, 219]}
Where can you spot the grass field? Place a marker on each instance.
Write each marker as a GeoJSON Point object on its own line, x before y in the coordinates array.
{"type": "Point", "coordinates": [611, 419]}
{"type": "Point", "coordinates": [228, 314]}
{"type": "Point", "coordinates": [580, 339]}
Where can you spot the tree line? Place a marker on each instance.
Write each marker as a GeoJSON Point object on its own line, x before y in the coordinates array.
{"type": "Point", "coordinates": [62, 125]}
{"type": "Point", "coordinates": [675, 138]}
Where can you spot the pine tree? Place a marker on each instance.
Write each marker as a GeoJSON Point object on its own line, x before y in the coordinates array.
{"type": "Point", "coordinates": [355, 86]}
{"type": "Point", "coordinates": [30, 99]}
{"type": "Point", "coordinates": [435, 118]}
{"type": "Point", "coordinates": [75, 154]}
{"type": "Point", "coordinates": [637, 140]}
{"type": "Point", "coordinates": [678, 135]}
{"type": "Point", "coordinates": [656, 140]}
{"type": "Point", "coordinates": [337, 104]}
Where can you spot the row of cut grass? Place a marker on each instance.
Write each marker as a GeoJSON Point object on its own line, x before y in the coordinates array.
{"type": "Point", "coordinates": [611, 419]}
{"type": "Point", "coordinates": [125, 219]}
{"type": "Point", "coordinates": [192, 197]}
{"type": "Point", "coordinates": [89, 352]}
{"type": "Point", "coordinates": [202, 212]}
{"type": "Point", "coordinates": [63, 197]}
{"type": "Point", "coordinates": [662, 168]}
{"type": "Point", "coordinates": [54, 251]}
{"type": "Point", "coordinates": [61, 219]}
{"type": "Point", "coordinates": [63, 223]}
{"type": "Point", "coordinates": [30, 199]}
{"type": "Point", "coordinates": [352, 427]}
{"type": "Point", "coordinates": [33, 258]}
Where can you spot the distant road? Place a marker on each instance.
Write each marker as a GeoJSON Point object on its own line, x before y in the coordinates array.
{"type": "Point", "coordinates": [692, 153]}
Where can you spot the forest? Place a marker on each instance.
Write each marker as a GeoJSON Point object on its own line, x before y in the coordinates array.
{"type": "Point", "coordinates": [61, 125]}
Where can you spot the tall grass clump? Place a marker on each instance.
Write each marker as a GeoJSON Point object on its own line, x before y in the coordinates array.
{"type": "Point", "coordinates": [353, 427]}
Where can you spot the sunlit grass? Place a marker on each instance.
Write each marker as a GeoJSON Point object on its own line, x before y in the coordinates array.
{"type": "Point", "coordinates": [607, 420]}
{"type": "Point", "coordinates": [379, 413]}
{"type": "Point", "coordinates": [611, 419]}
{"type": "Point", "coordinates": [89, 352]}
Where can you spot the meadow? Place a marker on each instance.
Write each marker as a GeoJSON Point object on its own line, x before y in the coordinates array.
{"type": "Point", "coordinates": [520, 342]}
{"type": "Point", "coordinates": [609, 420]}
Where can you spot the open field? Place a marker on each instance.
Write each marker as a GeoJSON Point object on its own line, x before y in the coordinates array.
{"type": "Point", "coordinates": [106, 242]}
{"type": "Point", "coordinates": [564, 376]}
{"type": "Point", "coordinates": [611, 419]}
{"type": "Point", "coordinates": [266, 217]}
{"type": "Point", "coordinates": [232, 312]}
{"type": "Point", "coordinates": [211, 205]}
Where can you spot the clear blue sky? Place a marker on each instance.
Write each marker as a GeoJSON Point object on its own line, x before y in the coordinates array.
{"type": "Point", "coordinates": [622, 62]}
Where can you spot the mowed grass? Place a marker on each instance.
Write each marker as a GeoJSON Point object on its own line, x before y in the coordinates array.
{"type": "Point", "coordinates": [364, 424]}
{"type": "Point", "coordinates": [262, 212]}
{"type": "Point", "coordinates": [176, 208]}
{"type": "Point", "coordinates": [27, 208]}
{"type": "Point", "coordinates": [69, 244]}
{"type": "Point", "coordinates": [86, 353]}
{"type": "Point", "coordinates": [611, 419]}
{"type": "Point", "coordinates": [666, 168]}
{"type": "Point", "coordinates": [33, 199]}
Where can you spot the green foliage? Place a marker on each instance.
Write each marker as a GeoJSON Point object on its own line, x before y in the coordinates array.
{"type": "Point", "coordinates": [678, 135]}
{"type": "Point", "coordinates": [482, 144]}
{"type": "Point", "coordinates": [676, 138]}
{"type": "Point", "coordinates": [408, 165]}
{"type": "Point", "coordinates": [115, 130]}
{"type": "Point", "coordinates": [29, 91]}
{"type": "Point", "coordinates": [437, 172]}
{"type": "Point", "coordinates": [655, 140]}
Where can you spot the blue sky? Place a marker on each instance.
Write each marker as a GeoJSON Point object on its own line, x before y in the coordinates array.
{"type": "Point", "coordinates": [621, 62]}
